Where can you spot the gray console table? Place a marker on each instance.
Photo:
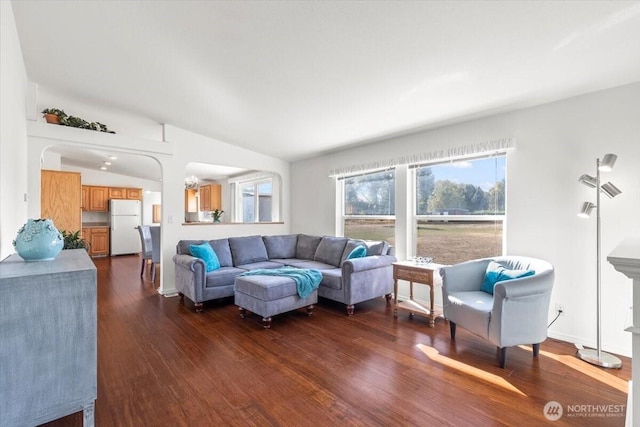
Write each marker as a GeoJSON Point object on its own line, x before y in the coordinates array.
{"type": "Point", "coordinates": [48, 341]}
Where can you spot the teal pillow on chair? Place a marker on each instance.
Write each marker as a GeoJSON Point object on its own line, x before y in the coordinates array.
{"type": "Point", "coordinates": [205, 252]}
{"type": "Point", "coordinates": [496, 273]}
{"type": "Point", "coordinates": [358, 252]}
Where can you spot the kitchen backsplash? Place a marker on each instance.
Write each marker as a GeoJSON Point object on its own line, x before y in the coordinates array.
{"type": "Point", "coordinates": [95, 217]}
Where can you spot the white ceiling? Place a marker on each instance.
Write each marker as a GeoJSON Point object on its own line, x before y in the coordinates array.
{"type": "Point", "coordinates": [138, 166]}
{"type": "Point", "coordinates": [295, 79]}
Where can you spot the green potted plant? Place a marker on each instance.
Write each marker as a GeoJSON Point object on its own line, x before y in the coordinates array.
{"type": "Point", "coordinates": [53, 115]}
{"type": "Point", "coordinates": [216, 214]}
{"type": "Point", "coordinates": [74, 241]}
{"type": "Point", "coordinates": [59, 117]}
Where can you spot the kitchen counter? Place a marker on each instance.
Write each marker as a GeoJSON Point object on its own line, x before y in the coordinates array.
{"type": "Point", "coordinates": [95, 224]}
{"type": "Point", "coordinates": [229, 223]}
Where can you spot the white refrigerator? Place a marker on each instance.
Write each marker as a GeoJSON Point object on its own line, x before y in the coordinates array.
{"type": "Point", "coordinates": [125, 217]}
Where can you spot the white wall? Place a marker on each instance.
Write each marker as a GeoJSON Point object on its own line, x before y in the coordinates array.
{"type": "Point", "coordinates": [173, 154]}
{"type": "Point", "coordinates": [13, 132]}
{"type": "Point", "coordinates": [150, 198]}
{"type": "Point", "coordinates": [556, 143]}
{"type": "Point", "coordinates": [125, 124]}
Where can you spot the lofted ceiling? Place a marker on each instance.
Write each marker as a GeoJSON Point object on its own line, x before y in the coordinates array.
{"type": "Point", "coordinates": [296, 79]}
{"type": "Point", "coordinates": [138, 166]}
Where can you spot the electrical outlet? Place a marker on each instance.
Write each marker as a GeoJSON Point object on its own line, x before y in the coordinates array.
{"type": "Point", "coordinates": [560, 308]}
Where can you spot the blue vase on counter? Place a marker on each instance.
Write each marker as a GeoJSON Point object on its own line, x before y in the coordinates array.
{"type": "Point", "coordinates": [38, 240]}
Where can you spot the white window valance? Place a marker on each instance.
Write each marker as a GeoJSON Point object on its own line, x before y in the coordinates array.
{"type": "Point", "coordinates": [460, 152]}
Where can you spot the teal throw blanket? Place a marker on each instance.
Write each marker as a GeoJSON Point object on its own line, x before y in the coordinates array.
{"type": "Point", "coordinates": [307, 280]}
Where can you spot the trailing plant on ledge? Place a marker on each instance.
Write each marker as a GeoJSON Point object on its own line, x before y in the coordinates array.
{"type": "Point", "coordinates": [73, 121]}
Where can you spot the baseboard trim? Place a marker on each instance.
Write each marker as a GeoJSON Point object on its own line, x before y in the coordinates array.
{"type": "Point", "coordinates": [586, 343]}
{"type": "Point", "coordinates": [173, 292]}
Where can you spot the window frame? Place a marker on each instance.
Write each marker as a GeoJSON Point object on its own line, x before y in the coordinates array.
{"type": "Point", "coordinates": [256, 181]}
{"type": "Point", "coordinates": [415, 217]}
{"type": "Point", "coordinates": [341, 202]}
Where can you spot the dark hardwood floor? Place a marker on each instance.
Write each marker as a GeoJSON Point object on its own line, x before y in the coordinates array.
{"type": "Point", "coordinates": [160, 364]}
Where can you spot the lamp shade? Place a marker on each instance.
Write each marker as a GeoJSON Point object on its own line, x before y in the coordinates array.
{"type": "Point", "coordinates": [607, 162]}
{"type": "Point", "coordinates": [586, 209]}
{"type": "Point", "coordinates": [610, 190]}
{"type": "Point", "coordinates": [588, 180]}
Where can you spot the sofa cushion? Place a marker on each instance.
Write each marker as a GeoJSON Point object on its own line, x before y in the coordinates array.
{"type": "Point", "coordinates": [247, 250]}
{"type": "Point", "coordinates": [358, 252]}
{"type": "Point", "coordinates": [287, 261]}
{"type": "Point", "coordinates": [376, 247]}
{"type": "Point", "coordinates": [315, 265]}
{"type": "Point", "coordinates": [260, 265]}
{"type": "Point", "coordinates": [496, 273]}
{"type": "Point", "coordinates": [330, 250]}
{"type": "Point", "coordinates": [351, 245]}
{"type": "Point", "coordinates": [182, 248]}
{"type": "Point", "coordinates": [332, 278]}
{"type": "Point", "coordinates": [220, 247]}
{"type": "Point", "coordinates": [224, 276]}
{"type": "Point", "coordinates": [222, 250]}
{"type": "Point", "coordinates": [206, 253]}
{"type": "Point", "coordinates": [472, 309]}
{"type": "Point", "coordinates": [306, 246]}
{"type": "Point", "coordinates": [283, 246]}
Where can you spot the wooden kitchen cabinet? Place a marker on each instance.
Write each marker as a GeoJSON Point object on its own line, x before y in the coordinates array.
{"type": "Point", "coordinates": [98, 239]}
{"type": "Point", "coordinates": [121, 193]}
{"type": "Point", "coordinates": [210, 198]}
{"type": "Point", "coordinates": [190, 201]}
{"type": "Point", "coordinates": [134, 193]}
{"type": "Point", "coordinates": [117, 193]}
{"type": "Point", "coordinates": [85, 198]}
{"type": "Point", "coordinates": [60, 199]}
{"type": "Point", "coordinates": [95, 198]}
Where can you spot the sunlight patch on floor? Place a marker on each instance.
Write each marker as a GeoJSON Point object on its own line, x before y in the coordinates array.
{"type": "Point", "coordinates": [435, 355]}
{"type": "Point", "coordinates": [585, 368]}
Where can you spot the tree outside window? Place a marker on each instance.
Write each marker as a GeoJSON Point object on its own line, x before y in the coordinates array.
{"type": "Point", "coordinates": [460, 208]}
{"type": "Point", "coordinates": [369, 206]}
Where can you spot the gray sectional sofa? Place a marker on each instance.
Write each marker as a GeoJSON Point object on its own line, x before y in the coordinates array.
{"type": "Point", "coordinates": [348, 281]}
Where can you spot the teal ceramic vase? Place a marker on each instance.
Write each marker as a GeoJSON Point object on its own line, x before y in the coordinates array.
{"type": "Point", "coordinates": [38, 240]}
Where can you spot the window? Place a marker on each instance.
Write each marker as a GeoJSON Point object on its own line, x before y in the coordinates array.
{"type": "Point", "coordinates": [257, 201]}
{"type": "Point", "coordinates": [460, 209]}
{"type": "Point", "coordinates": [256, 197]}
{"type": "Point", "coordinates": [369, 206]}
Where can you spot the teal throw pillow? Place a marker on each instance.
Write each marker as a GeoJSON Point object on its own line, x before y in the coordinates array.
{"type": "Point", "coordinates": [358, 252]}
{"type": "Point", "coordinates": [205, 252]}
{"type": "Point", "coordinates": [496, 273]}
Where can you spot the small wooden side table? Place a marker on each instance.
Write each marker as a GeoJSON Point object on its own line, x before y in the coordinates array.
{"type": "Point", "coordinates": [418, 273]}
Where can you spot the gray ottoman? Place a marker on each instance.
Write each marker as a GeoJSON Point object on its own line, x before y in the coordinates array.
{"type": "Point", "coordinates": [270, 295]}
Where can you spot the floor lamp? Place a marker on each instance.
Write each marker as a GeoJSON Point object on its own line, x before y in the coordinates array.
{"type": "Point", "coordinates": [597, 356]}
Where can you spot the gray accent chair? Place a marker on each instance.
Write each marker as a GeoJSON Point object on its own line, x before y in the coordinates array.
{"type": "Point", "coordinates": [518, 311]}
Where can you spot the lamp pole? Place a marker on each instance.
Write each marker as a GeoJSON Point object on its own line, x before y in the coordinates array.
{"type": "Point", "coordinates": [598, 269]}
{"type": "Point", "coordinates": [597, 356]}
